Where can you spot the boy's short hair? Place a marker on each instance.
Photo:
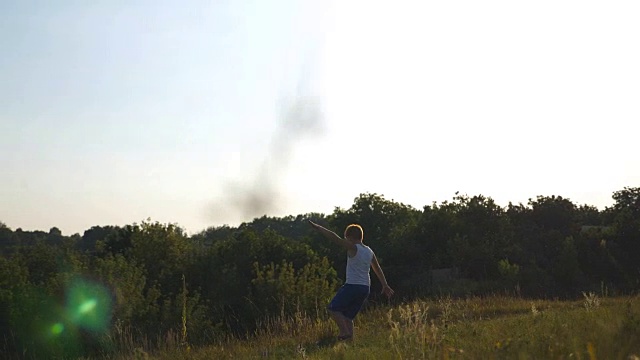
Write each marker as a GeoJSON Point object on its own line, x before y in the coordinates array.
{"type": "Point", "coordinates": [354, 231]}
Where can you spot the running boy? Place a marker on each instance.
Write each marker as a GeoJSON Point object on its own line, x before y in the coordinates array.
{"type": "Point", "coordinates": [349, 300]}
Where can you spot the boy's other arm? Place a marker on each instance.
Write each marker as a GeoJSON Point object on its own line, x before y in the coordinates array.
{"type": "Point", "coordinates": [348, 245]}
{"type": "Point", "coordinates": [378, 270]}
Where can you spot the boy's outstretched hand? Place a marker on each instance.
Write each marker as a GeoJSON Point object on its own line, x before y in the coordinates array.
{"type": "Point", "coordinates": [387, 291]}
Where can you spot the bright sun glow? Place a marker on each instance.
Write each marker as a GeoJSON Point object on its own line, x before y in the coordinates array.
{"type": "Point", "coordinates": [508, 99]}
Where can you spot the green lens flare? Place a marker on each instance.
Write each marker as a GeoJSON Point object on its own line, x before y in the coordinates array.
{"type": "Point", "coordinates": [45, 328]}
{"type": "Point", "coordinates": [89, 305]}
{"type": "Point", "coordinates": [57, 329]}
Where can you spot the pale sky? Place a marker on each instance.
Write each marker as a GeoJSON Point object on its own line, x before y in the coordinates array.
{"type": "Point", "coordinates": [112, 112]}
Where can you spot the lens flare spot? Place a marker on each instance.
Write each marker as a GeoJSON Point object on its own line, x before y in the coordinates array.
{"type": "Point", "coordinates": [57, 328]}
{"type": "Point", "coordinates": [87, 306]}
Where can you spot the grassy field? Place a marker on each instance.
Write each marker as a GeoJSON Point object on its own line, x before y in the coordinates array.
{"type": "Point", "coordinates": [475, 328]}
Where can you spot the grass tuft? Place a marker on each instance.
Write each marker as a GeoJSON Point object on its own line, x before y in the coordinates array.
{"type": "Point", "coordinates": [471, 328]}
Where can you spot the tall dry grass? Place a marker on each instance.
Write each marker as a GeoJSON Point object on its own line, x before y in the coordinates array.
{"type": "Point", "coordinates": [498, 327]}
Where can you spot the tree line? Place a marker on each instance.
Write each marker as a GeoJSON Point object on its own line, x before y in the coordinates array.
{"type": "Point", "coordinates": [153, 279]}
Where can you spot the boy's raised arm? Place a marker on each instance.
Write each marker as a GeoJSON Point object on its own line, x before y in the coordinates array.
{"type": "Point", "coordinates": [378, 270]}
{"type": "Point", "coordinates": [333, 236]}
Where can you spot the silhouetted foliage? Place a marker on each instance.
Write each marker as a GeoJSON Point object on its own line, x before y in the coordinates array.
{"type": "Point", "coordinates": [228, 280]}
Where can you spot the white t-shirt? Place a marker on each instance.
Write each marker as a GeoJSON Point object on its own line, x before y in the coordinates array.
{"type": "Point", "coordinates": [358, 266]}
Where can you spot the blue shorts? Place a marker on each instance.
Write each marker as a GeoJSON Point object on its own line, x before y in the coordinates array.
{"type": "Point", "coordinates": [349, 300]}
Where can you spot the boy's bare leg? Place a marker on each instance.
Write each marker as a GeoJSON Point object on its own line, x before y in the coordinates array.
{"type": "Point", "coordinates": [340, 321]}
{"type": "Point", "coordinates": [349, 323]}
{"type": "Point", "coordinates": [345, 324]}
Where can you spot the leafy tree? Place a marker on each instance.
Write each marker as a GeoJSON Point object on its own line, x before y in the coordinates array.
{"type": "Point", "coordinates": [508, 271]}
{"type": "Point", "coordinates": [626, 227]}
{"type": "Point", "coordinates": [8, 240]}
{"type": "Point", "coordinates": [41, 262]}
{"type": "Point", "coordinates": [224, 273]}
{"type": "Point", "coordinates": [292, 227]}
{"type": "Point", "coordinates": [433, 233]}
{"type": "Point", "coordinates": [424, 246]}
{"type": "Point", "coordinates": [117, 241]}
{"type": "Point", "coordinates": [282, 290]}
{"type": "Point", "coordinates": [163, 251]}
{"type": "Point", "coordinates": [377, 215]}
{"type": "Point", "coordinates": [554, 220]}
{"type": "Point", "coordinates": [13, 277]}
{"type": "Point", "coordinates": [566, 269]}
{"type": "Point", "coordinates": [95, 234]}
{"type": "Point", "coordinates": [554, 213]}
{"type": "Point", "coordinates": [214, 234]}
{"type": "Point", "coordinates": [127, 282]}
{"type": "Point", "coordinates": [589, 215]}
{"type": "Point", "coordinates": [596, 250]}
{"type": "Point", "coordinates": [480, 242]}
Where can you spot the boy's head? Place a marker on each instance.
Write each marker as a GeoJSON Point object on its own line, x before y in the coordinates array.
{"type": "Point", "coordinates": [354, 233]}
